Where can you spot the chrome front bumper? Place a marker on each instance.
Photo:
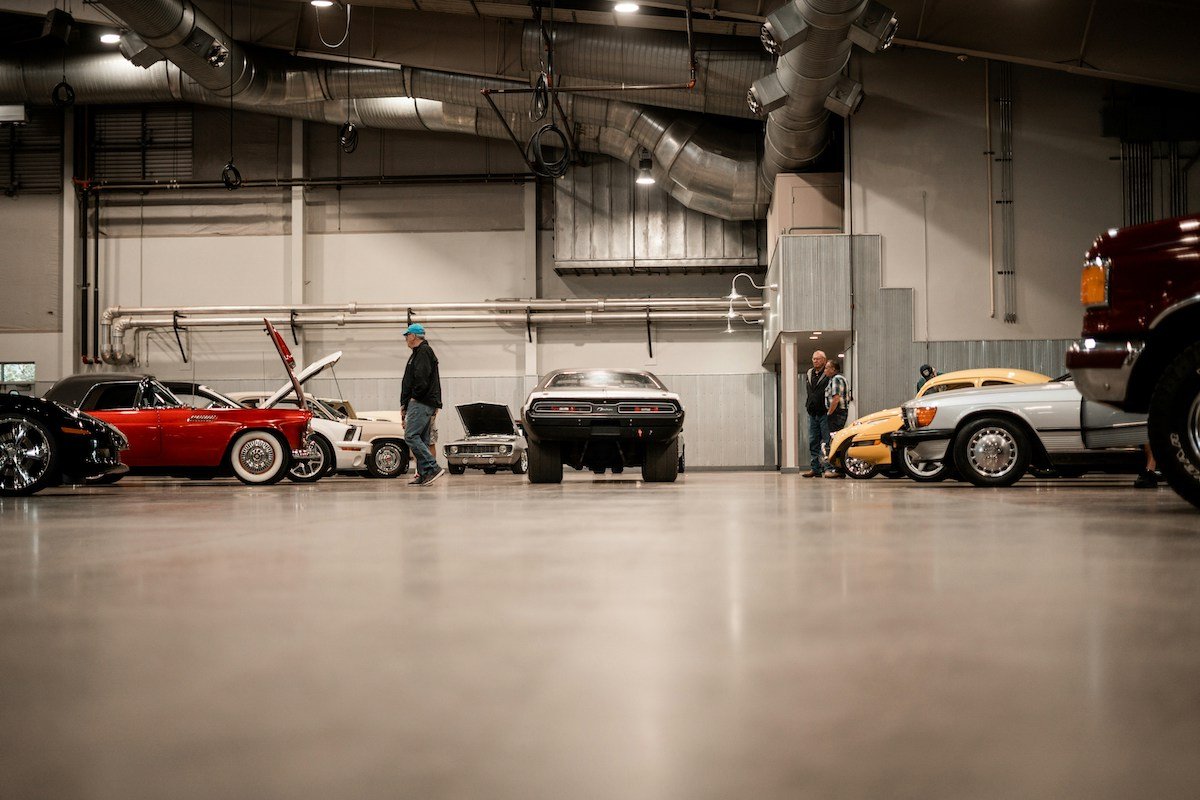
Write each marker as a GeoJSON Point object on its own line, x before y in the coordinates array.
{"type": "Point", "coordinates": [1102, 369]}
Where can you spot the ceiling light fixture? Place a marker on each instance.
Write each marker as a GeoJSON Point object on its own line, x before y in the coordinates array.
{"type": "Point", "coordinates": [110, 38]}
{"type": "Point", "coordinates": [645, 164]}
{"type": "Point", "coordinates": [626, 8]}
{"type": "Point", "coordinates": [321, 3]}
{"type": "Point", "coordinates": [729, 326]}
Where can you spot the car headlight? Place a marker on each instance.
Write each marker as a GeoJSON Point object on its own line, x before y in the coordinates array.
{"type": "Point", "coordinates": [505, 449]}
{"type": "Point", "coordinates": [453, 448]}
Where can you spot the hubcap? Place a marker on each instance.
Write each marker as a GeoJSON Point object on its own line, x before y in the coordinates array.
{"type": "Point", "coordinates": [257, 456]}
{"type": "Point", "coordinates": [24, 454]}
{"type": "Point", "coordinates": [525, 461]}
{"type": "Point", "coordinates": [992, 452]}
{"type": "Point", "coordinates": [387, 458]}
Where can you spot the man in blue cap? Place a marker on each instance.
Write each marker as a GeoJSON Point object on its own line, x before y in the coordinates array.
{"type": "Point", "coordinates": [420, 399]}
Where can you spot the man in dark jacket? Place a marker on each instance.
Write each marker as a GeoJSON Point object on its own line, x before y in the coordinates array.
{"type": "Point", "coordinates": [815, 382]}
{"type": "Point", "coordinates": [420, 399]}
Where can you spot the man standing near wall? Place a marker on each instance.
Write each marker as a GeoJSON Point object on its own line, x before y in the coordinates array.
{"type": "Point", "coordinates": [420, 399]}
{"type": "Point", "coordinates": [837, 396]}
{"type": "Point", "coordinates": [818, 420]}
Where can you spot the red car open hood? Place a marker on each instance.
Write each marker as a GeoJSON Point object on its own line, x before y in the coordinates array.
{"type": "Point", "coordinates": [289, 361]}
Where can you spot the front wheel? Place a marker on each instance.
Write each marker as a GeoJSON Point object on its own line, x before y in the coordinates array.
{"type": "Point", "coordinates": [315, 463]}
{"type": "Point", "coordinates": [857, 468]}
{"type": "Point", "coordinates": [992, 452]}
{"type": "Point", "coordinates": [28, 455]}
{"type": "Point", "coordinates": [1174, 424]}
{"type": "Point", "coordinates": [387, 460]}
{"type": "Point", "coordinates": [923, 471]}
{"type": "Point", "coordinates": [456, 469]}
{"type": "Point", "coordinates": [522, 465]}
{"type": "Point", "coordinates": [258, 458]}
{"type": "Point", "coordinates": [545, 462]}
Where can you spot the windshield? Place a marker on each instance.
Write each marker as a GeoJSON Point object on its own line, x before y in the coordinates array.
{"type": "Point", "coordinates": [604, 379]}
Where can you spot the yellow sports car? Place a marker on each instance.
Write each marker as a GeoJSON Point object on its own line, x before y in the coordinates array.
{"type": "Point", "coordinates": [857, 449]}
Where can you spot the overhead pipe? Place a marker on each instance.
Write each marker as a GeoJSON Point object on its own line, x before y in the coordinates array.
{"type": "Point", "coordinates": [114, 351]}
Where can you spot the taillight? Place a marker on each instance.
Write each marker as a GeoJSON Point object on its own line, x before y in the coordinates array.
{"type": "Point", "coordinates": [1093, 283]}
{"type": "Point", "coordinates": [645, 408]}
{"type": "Point", "coordinates": [925, 415]}
{"type": "Point", "coordinates": [564, 408]}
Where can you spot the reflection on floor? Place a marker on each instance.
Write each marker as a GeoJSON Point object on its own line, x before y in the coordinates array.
{"type": "Point", "coordinates": [734, 635]}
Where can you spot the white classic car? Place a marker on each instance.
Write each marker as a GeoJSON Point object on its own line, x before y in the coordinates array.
{"type": "Point", "coordinates": [992, 436]}
{"type": "Point", "coordinates": [493, 441]}
{"type": "Point", "coordinates": [332, 446]}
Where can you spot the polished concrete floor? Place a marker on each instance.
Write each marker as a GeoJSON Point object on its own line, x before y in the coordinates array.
{"type": "Point", "coordinates": [734, 635]}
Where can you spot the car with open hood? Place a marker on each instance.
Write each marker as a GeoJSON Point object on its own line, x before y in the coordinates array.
{"type": "Point", "coordinates": [389, 456]}
{"type": "Point", "coordinates": [993, 436]}
{"type": "Point", "coordinates": [333, 446]}
{"type": "Point", "coordinates": [858, 448]}
{"type": "Point", "coordinates": [167, 437]}
{"type": "Point", "coordinates": [602, 418]}
{"type": "Point", "coordinates": [44, 444]}
{"type": "Point", "coordinates": [493, 441]}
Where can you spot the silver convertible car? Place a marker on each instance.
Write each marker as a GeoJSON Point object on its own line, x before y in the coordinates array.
{"type": "Point", "coordinates": [993, 436]}
{"type": "Point", "coordinates": [493, 441]}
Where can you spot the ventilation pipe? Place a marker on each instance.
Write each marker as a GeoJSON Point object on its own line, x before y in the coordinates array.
{"type": "Point", "coordinates": [812, 39]}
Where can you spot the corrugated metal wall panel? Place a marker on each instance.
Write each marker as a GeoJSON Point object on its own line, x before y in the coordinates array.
{"type": "Point", "coordinates": [814, 280]}
{"type": "Point", "coordinates": [142, 143]}
{"type": "Point", "coordinates": [31, 155]}
{"type": "Point", "coordinates": [604, 219]}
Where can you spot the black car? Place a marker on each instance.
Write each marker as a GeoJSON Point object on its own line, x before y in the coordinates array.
{"type": "Point", "coordinates": [601, 419]}
{"type": "Point", "coordinates": [43, 443]}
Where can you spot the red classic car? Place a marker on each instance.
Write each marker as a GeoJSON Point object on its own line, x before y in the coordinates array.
{"type": "Point", "coordinates": [167, 437]}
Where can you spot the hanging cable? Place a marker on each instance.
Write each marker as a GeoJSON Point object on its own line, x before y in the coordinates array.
{"type": "Point", "coordinates": [231, 176]}
{"type": "Point", "coordinates": [348, 132]}
{"type": "Point", "coordinates": [345, 35]}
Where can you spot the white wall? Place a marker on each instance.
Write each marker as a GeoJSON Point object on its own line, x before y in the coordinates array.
{"type": "Point", "coordinates": [30, 283]}
{"type": "Point", "coordinates": [919, 176]}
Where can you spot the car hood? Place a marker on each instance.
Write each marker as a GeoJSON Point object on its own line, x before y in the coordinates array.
{"type": "Point", "coordinates": [302, 377]}
{"type": "Point", "coordinates": [486, 419]}
{"type": "Point", "coordinates": [887, 413]}
{"type": "Point", "coordinates": [994, 395]}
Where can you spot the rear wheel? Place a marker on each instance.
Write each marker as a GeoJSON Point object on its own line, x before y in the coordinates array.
{"type": "Point", "coordinates": [545, 462]}
{"type": "Point", "coordinates": [522, 465]}
{"type": "Point", "coordinates": [992, 452]}
{"type": "Point", "coordinates": [387, 459]}
{"type": "Point", "coordinates": [662, 462]}
{"type": "Point", "coordinates": [315, 463]}
{"type": "Point", "coordinates": [258, 458]}
{"type": "Point", "coordinates": [1174, 424]}
{"type": "Point", "coordinates": [28, 455]}
{"type": "Point", "coordinates": [923, 471]}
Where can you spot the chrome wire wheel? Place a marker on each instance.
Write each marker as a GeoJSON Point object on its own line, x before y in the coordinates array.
{"type": "Point", "coordinates": [256, 456]}
{"type": "Point", "coordinates": [992, 452]}
{"type": "Point", "coordinates": [25, 455]}
{"type": "Point", "coordinates": [857, 468]}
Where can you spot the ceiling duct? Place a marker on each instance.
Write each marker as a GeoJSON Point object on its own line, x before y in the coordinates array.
{"type": "Point", "coordinates": [813, 39]}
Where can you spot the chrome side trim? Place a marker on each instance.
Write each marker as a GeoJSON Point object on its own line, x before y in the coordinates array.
{"type": "Point", "coordinates": [1189, 301]}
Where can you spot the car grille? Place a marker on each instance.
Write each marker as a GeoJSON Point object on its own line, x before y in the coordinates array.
{"type": "Point", "coordinates": [470, 449]}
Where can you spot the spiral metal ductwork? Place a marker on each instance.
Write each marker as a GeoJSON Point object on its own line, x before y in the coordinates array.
{"type": "Point", "coordinates": [813, 39]}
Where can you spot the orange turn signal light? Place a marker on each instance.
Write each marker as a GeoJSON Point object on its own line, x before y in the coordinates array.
{"type": "Point", "coordinates": [76, 431]}
{"type": "Point", "coordinates": [1093, 285]}
{"type": "Point", "coordinates": [925, 415]}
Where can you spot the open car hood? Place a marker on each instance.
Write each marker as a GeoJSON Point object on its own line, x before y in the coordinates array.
{"type": "Point", "coordinates": [298, 380]}
{"type": "Point", "coordinates": [486, 419]}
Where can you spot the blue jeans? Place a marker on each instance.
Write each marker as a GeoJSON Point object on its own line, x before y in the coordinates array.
{"type": "Point", "coordinates": [417, 422]}
{"type": "Point", "coordinates": [818, 434]}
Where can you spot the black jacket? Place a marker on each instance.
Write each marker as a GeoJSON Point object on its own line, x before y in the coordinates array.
{"type": "Point", "coordinates": [421, 380]}
{"type": "Point", "coordinates": [814, 402]}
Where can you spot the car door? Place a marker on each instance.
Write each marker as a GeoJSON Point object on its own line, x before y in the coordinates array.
{"type": "Point", "coordinates": [117, 403]}
{"type": "Point", "coordinates": [192, 437]}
